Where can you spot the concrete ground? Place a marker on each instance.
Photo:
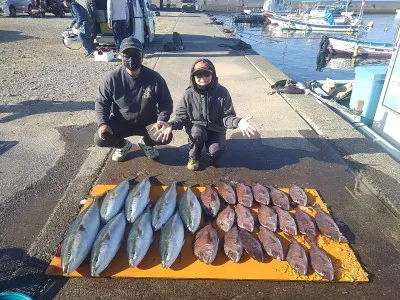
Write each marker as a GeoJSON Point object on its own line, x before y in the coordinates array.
{"type": "Point", "coordinates": [299, 141]}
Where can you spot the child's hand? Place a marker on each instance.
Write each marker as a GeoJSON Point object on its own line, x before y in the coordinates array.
{"type": "Point", "coordinates": [245, 127]}
{"type": "Point", "coordinates": [163, 131]}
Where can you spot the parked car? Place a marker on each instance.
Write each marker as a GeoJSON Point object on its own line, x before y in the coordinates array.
{"type": "Point", "coordinates": [55, 7]}
{"type": "Point", "coordinates": [14, 7]}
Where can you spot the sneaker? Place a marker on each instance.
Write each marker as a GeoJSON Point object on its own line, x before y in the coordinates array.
{"type": "Point", "coordinates": [149, 151]}
{"type": "Point", "coordinates": [120, 153]}
{"type": "Point", "coordinates": [193, 165]}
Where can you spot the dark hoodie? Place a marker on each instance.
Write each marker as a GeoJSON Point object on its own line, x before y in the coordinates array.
{"type": "Point", "coordinates": [211, 108]}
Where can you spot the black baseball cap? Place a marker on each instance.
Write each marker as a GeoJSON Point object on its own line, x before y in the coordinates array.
{"type": "Point", "coordinates": [131, 43]}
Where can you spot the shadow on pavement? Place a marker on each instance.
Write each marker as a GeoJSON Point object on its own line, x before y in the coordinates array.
{"type": "Point", "coordinates": [9, 36]}
{"type": "Point", "coordinates": [256, 153]}
{"type": "Point", "coordinates": [21, 272]}
{"type": "Point", "coordinates": [6, 145]}
{"type": "Point", "coordinates": [33, 107]}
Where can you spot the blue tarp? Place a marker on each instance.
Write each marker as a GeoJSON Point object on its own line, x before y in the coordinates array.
{"type": "Point", "coordinates": [329, 17]}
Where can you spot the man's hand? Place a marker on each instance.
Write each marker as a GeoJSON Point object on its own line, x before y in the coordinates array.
{"type": "Point", "coordinates": [245, 127]}
{"type": "Point", "coordinates": [162, 131]}
{"type": "Point", "coordinates": [102, 129]}
{"type": "Point", "coordinates": [110, 25]}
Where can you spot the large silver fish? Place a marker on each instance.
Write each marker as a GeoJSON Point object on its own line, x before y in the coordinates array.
{"type": "Point", "coordinates": [190, 210]}
{"type": "Point", "coordinates": [271, 244]}
{"type": "Point", "coordinates": [210, 202]}
{"type": "Point", "coordinates": [327, 226]}
{"type": "Point", "coordinates": [80, 238]}
{"type": "Point", "coordinates": [107, 244]}
{"type": "Point", "coordinates": [137, 200]}
{"type": "Point", "coordinates": [320, 262]}
{"type": "Point", "coordinates": [172, 240]}
{"type": "Point", "coordinates": [251, 245]}
{"type": "Point", "coordinates": [306, 226]}
{"type": "Point", "coordinates": [268, 218]}
{"type": "Point", "coordinates": [244, 195]}
{"type": "Point", "coordinates": [140, 238]}
{"type": "Point", "coordinates": [261, 194]}
{"type": "Point", "coordinates": [206, 244]}
{"type": "Point", "coordinates": [286, 221]}
{"type": "Point", "coordinates": [114, 201]}
{"type": "Point", "coordinates": [233, 245]}
{"type": "Point", "coordinates": [297, 257]}
{"type": "Point", "coordinates": [279, 198]}
{"type": "Point", "coordinates": [226, 218]}
{"type": "Point", "coordinates": [298, 195]}
{"type": "Point", "coordinates": [244, 218]}
{"type": "Point", "coordinates": [164, 207]}
{"type": "Point", "coordinates": [227, 193]}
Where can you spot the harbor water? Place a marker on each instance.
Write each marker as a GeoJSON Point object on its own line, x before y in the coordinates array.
{"type": "Point", "coordinates": [295, 52]}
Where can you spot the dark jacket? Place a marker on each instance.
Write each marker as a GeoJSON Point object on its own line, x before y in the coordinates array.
{"type": "Point", "coordinates": [138, 101]}
{"type": "Point", "coordinates": [211, 108]}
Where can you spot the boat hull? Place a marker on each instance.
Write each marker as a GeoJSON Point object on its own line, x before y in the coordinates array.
{"type": "Point", "coordinates": [363, 49]}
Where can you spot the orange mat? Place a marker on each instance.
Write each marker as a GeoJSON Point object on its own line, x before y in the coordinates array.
{"type": "Point", "coordinates": [347, 267]}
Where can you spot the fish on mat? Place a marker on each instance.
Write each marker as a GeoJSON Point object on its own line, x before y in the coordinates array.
{"type": "Point", "coordinates": [80, 238]}
{"type": "Point", "coordinates": [172, 240]}
{"type": "Point", "coordinates": [114, 201]}
{"type": "Point", "coordinates": [210, 202]}
{"type": "Point", "coordinates": [320, 262]}
{"type": "Point", "coordinates": [244, 195]}
{"type": "Point", "coordinates": [279, 198]}
{"type": "Point", "coordinates": [190, 210]}
{"type": "Point", "coordinates": [251, 245]}
{"type": "Point", "coordinates": [140, 238]}
{"type": "Point", "coordinates": [205, 244]}
{"type": "Point", "coordinates": [298, 195]}
{"type": "Point", "coordinates": [244, 218]}
{"type": "Point", "coordinates": [164, 207]}
{"type": "Point", "coordinates": [227, 193]}
{"type": "Point", "coordinates": [107, 243]}
{"type": "Point", "coordinates": [286, 221]}
{"type": "Point", "coordinates": [232, 245]}
{"type": "Point", "coordinates": [226, 218]}
{"type": "Point", "coordinates": [268, 217]}
{"type": "Point", "coordinates": [261, 194]}
{"type": "Point", "coordinates": [297, 256]}
{"type": "Point", "coordinates": [137, 200]}
{"type": "Point", "coordinates": [304, 222]}
{"type": "Point", "coordinates": [271, 243]}
{"type": "Point", "coordinates": [327, 225]}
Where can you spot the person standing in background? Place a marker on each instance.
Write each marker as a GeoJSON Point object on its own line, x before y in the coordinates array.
{"type": "Point", "coordinates": [83, 23]}
{"type": "Point", "coordinates": [118, 20]}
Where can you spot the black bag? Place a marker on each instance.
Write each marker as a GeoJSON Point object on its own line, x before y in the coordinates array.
{"type": "Point", "coordinates": [287, 86]}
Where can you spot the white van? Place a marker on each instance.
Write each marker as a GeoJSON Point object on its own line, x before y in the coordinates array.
{"type": "Point", "coordinates": [141, 22]}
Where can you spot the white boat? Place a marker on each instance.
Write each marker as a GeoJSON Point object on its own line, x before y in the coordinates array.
{"type": "Point", "coordinates": [276, 7]}
{"type": "Point", "coordinates": [398, 11]}
{"type": "Point", "coordinates": [356, 48]}
{"type": "Point", "coordinates": [312, 25]}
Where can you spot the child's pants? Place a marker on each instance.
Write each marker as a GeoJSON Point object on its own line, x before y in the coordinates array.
{"type": "Point", "coordinates": [199, 137]}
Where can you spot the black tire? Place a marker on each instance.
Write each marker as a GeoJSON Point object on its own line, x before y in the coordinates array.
{"type": "Point", "coordinates": [60, 12]}
{"type": "Point", "coordinates": [12, 11]}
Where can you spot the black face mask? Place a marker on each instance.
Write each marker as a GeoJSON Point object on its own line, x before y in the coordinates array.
{"type": "Point", "coordinates": [132, 62]}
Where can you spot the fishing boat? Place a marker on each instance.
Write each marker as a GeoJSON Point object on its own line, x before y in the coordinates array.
{"type": "Point", "coordinates": [356, 48]}
{"type": "Point", "coordinates": [313, 25]}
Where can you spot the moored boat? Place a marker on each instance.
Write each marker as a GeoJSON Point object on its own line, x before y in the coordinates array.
{"type": "Point", "coordinates": [356, 48]}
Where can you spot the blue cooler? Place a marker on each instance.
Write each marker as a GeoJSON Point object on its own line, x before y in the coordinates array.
{"type": "Point", "coordinates": [368, 84]}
